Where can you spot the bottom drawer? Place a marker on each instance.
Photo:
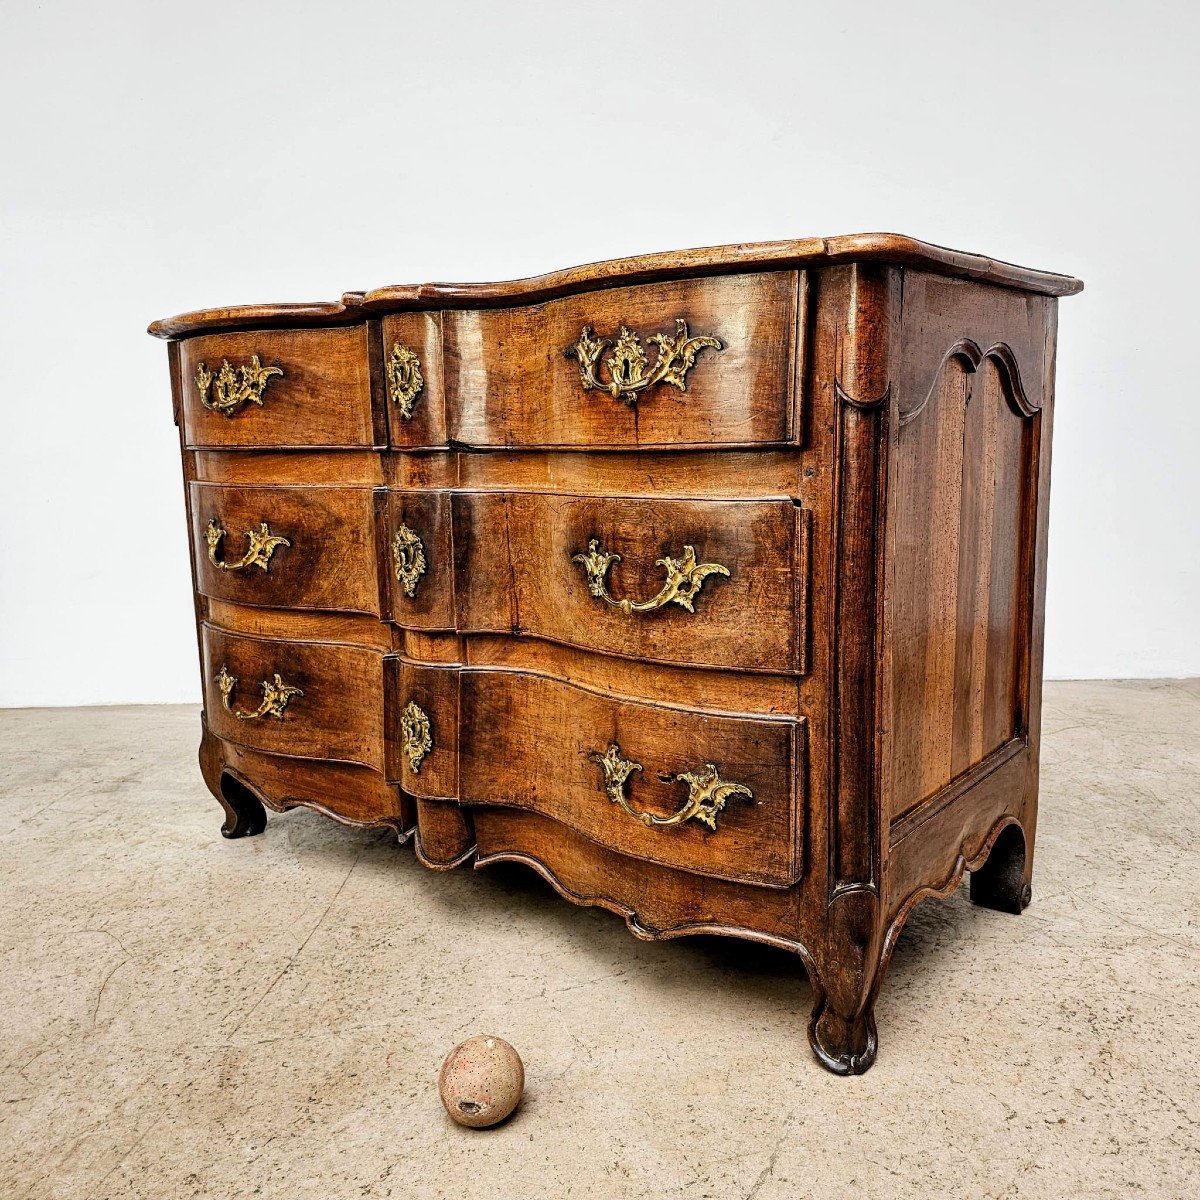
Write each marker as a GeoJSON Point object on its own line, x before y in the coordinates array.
{"type": "Point", "coordinates": [304, 699]}
{"type": "Point", "coordinates": [704, 792]}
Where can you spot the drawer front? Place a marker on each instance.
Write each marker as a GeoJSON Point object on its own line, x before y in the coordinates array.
{"type": "Point", "coordinates": [304, 699]}
{"type": "Point", "coordinates": [698, 582]}
{"type": "Point", "coordinates": [427, 733]}
{"type": "Point", "coordinates": [698, 362]}
{"type": "Point", "coordinates": [420, 559]}
{"type": "Point", "coordinates": [286, 547]}
{"type": "Point", "coordinates": [713, 794]}
{"type": "Point", "coordinates": [412, 372]}
{"type": "Point", "coordinates": [282, 387]}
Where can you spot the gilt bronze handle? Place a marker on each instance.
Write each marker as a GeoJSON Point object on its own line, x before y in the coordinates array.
{"type": "Point", "coordinates": [230, 388]}
{"type": "Point", "coordinates": [685, 577]}
{"type": "Point", "coordinates": [260, 545]}
{"type": "Point", "coordinates": [404, 379]}
{"type": "Point", "coordinates": [276, 695]}
{"type": "Point", "coordinates": [707, 791]}
{"type": "Point", "coordinates": [629, 370]}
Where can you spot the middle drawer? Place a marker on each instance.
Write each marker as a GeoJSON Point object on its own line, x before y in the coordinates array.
{"type": "Point", "coordinates": [719, 583]}
{"type": "Point", "coordinates": [286, 547]}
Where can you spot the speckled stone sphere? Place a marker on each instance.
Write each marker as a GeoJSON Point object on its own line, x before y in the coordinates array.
{"type": "Point", "coordinates": [481, 1081]}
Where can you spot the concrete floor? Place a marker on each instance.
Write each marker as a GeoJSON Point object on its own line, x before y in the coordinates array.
{"type": "Point", "coordinates": [184, 1016]}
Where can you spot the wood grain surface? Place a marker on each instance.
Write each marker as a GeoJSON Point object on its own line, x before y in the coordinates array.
{"type": "Point", "coordinates": [339, 717]}
{"type": "Point", "coordinates": [888, 248]}
{"type": "Point", "coordinates": [322, 399]}
{"type": "Point", "coordinates": [526, 741]}
{"type": "Point", "coordinates": [509, 381]}
{"type": "Point", "coordinates": [515, 572]}
{"type": "Point", "coordinates": [330, 562]}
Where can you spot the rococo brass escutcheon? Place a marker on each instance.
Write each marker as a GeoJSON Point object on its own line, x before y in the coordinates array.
{"type": "Point", "coordinates": [685, 577]}
{"type": "Point", "coordinates": [230, 388]}
{"type": "Point", "coordinates": [276, 695]}
{"type": "Point", "coordinates": [260, 545]}
{"type": "Point", "coordinates": [409, 553]}
{"type": "Point", "coordinates": [404, 379]}
{"type": "Point", "coordinates": [629, 370]}
{"type": "Point", "coordinates": [707, 791]}
{"type": "Point", "coordinates": [417, 735]}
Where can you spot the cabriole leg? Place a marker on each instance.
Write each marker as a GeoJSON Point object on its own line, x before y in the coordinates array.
{"type": "Point", "coordinates": [844, 1044]}
{"type": "Point", "coordinates": [244, 812]}
{"type": "Point", "coordinates": [842, 1029]}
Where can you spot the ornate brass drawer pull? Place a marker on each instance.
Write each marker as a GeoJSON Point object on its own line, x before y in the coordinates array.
{"type": "Point", "coordinates": [629, 371]}
{"type": "Point", "coordinates": [685, 577]}
{"type": "Point", "coordinates": [276, 695]}
{"type": "Point", "coordinates": [417, 735]}
{"type": "Point", "coordinates": [230, 388]}
{"type": "Point", "coordinates": [409, 553]}
{"type": "Point", "coordinates": [260, 545]}
{"type": "Point", "coordinates": [707, 791]}
{"type": "Point", "coordinates": [404, 379]}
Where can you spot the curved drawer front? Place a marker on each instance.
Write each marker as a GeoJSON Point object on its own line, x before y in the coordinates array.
{"type": "Point", "coordinates": [698, 582]}
{"type": "Point", "coordinates": [279, 387]}
{"type": "Point", "coordinates": [286, 547]}
{"type": "Point", "coordinates": [697, 362]}
{"type": "Point", "coordinates": [420, 558]}
{"type": "Point", "coordinates": [717, 795]}
{"type": "Point", "coordinates": [305, 699]}
{"type": "Point", "coordinates": [412, 373]}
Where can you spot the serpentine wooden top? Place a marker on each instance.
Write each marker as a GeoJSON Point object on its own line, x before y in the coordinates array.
{"type": "Point", "coordinates": [679, 264]}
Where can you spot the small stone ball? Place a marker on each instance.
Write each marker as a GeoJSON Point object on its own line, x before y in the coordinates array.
{"type": "Point", "coordinates": [481, 1081]}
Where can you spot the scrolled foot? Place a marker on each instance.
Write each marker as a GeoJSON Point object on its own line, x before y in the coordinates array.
{"type": "Point", "coordinates": [1001, 882]}
{"type": "Point", "coordinates": [845, 1046]}
{"type": "Point", "coordinates": [244, 812]}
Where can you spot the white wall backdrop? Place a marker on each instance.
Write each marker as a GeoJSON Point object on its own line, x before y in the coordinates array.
{"type": "Point", "coordinates": [159, 157]}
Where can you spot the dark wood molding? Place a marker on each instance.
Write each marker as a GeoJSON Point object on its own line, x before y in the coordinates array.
{"type": "Point", "coordinates": [969, 352]}
{"type": "Point", "coordinates": [436, 864]}
{"type": "Point", "coordinates": [245, 803]}
{"type": "Point", "coordinates": [862, 391]}
{"type": "Point", "coordinates": [641, 929]}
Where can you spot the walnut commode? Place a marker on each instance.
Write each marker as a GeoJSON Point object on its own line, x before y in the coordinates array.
{"type": "Point", "coordinates": [709, 585]}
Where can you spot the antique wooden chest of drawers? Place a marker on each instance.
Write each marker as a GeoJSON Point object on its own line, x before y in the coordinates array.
{"type": "Point", "coordinates": [709, 585]}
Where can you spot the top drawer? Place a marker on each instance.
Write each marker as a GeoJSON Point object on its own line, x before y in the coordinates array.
{"type": "Point", "coordinates": [696, 362]}
{"type": "Point", "coordinates": [280, 388]}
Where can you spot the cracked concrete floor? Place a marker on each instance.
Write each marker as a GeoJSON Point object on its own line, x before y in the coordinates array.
{"type": "Point", "coordinates": [184, 1016]}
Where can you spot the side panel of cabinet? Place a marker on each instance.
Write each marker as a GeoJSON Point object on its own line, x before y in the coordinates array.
{"type": "Point", "coordinates": [963, 498]}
